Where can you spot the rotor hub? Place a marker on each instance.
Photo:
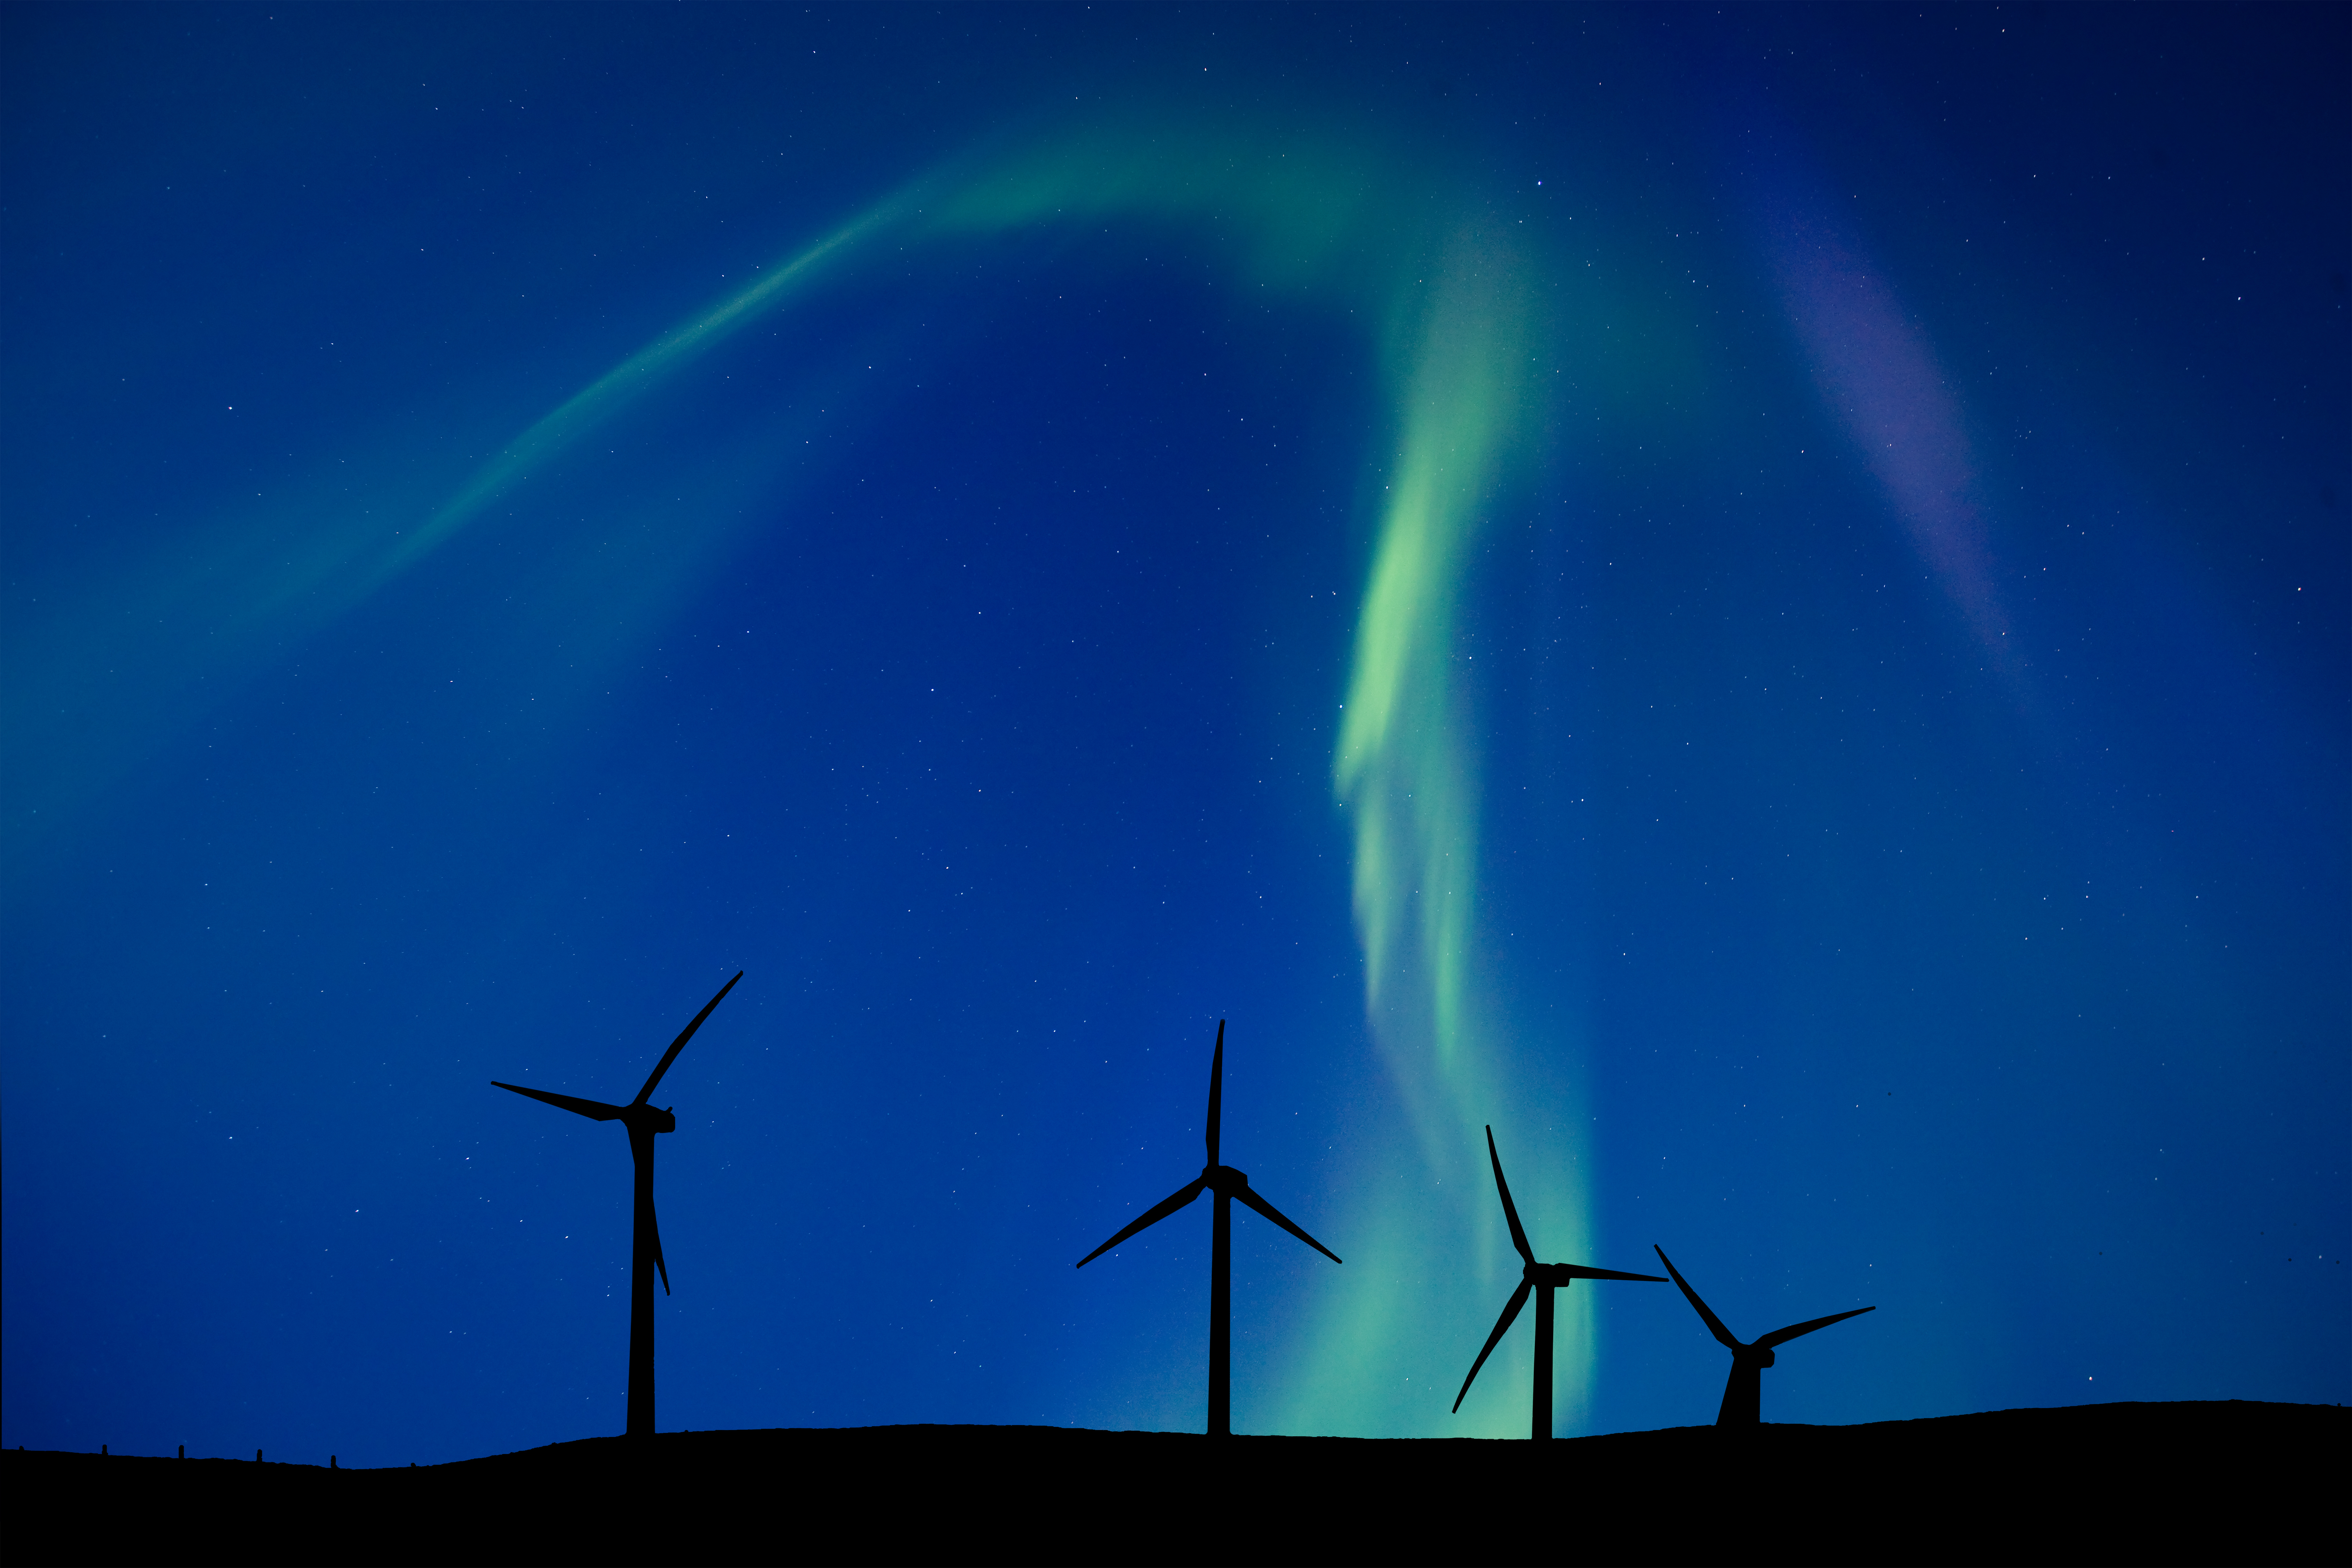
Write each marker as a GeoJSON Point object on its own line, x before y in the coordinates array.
{"type": "Point", "coordinates": [650, 1118]}
{"type": "Point", "coordinates": [1223, 1179]}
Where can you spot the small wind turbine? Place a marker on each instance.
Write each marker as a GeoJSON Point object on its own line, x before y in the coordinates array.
{"type": "Point", "coordinates": [1228, 1185]}
{"type": "Point", "coordinates": [1743, 1395]}
{"type": "Point", "coordinates": [1543, 1279]}
{"type": "Point", "coordinates": [643, 1121]}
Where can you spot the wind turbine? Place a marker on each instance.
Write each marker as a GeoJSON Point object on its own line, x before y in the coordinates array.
{"type": "Point", "coordinates": [1228, 1185]}
{"type": "Point", "coordinates": [1542, 1279]}
{"type": "Point", "coordinates": [1743, 1395]}
{"type": "Point", "coordinates": [643, 1121]}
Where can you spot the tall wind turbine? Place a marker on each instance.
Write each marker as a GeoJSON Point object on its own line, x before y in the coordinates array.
{"type": "Point", "coordinates": [1743, 1395]}
{"type": "Point", "coordinates": [643, 1121]}
{"type": "Point", "coordinates": [1542, 1279]}
{"type": "Point", "coordinates": [1228, 1185]}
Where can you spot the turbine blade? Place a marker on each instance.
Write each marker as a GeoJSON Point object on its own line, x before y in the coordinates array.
{"type": "Point", "coordinates": [1502, 1326]}
{"type": "Point", "coordinates": [1217, 1090]}
{"type": "Point", "coordinates": [1249, 1196]}
{"type": "Point", "coordinates": [655, 1225]}
{"type": "Point", "coordinates": [1510, 1212]}
{"type": "Point", "coordinates": [678, 1043]}
{"type": "Point", "coordinates": [1150, 1217]}
{"type": "Point", "coordinates": [595, 1110]}
{"type": "Point", "coordinates": [1782, 1336]}
{"type": "Point", "coordinates": [1714, 1325]}
{"type": "Point", "coordinates": [1579, 1271]}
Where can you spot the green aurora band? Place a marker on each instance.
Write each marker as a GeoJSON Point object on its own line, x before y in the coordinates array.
{"type": "Point", "coordinates": [1463, 322]}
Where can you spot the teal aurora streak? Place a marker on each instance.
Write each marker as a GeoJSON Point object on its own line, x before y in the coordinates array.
{"type": "Point", "coordinates": [1461, 320]}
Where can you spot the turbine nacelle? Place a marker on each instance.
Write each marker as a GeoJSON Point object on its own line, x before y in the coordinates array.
{"type": "Point", "coordinates": [1223, 1179]}
{"type": "Point", "coordinates": [650, 1118]}
{"type": "Point", "coordinates": [1566, 1274]}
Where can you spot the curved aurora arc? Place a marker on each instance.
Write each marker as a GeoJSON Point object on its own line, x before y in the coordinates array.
{"type": "Point", "coordinates": [1454, 312]}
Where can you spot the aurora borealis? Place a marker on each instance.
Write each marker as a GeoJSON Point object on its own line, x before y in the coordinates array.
{"type": "Point", "coordinates": [1781, 647]}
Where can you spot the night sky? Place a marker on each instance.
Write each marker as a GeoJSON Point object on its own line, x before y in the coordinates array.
{"type": "Point", "coordinates": [1755, 599]}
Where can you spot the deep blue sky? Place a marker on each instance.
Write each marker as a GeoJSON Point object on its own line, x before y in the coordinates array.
{"type": "Point", "coordinates": [1830, 526]}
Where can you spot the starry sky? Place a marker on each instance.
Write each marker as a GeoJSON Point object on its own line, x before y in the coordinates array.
{"type": "Point", "coordinates": [1753, 599]}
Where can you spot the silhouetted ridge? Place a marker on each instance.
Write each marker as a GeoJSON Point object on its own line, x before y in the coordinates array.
{"type": "Point", "coordinates": [2223, 1483]}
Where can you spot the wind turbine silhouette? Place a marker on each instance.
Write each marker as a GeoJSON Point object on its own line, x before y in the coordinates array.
{"type": "Point", "coordinates": [643, 1121]}
{"type": "Point", "coordinates": [1543, 1279]}
{"type": "Point", "coordinates": [1743, 1395]}
{"type": "Point", "coordinates": [1228, 1185]}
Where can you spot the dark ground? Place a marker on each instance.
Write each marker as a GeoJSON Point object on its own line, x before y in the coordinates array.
{"type": "Point", "coordinates": [2203, 1483]}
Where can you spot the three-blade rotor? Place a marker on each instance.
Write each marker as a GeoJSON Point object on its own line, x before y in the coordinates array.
{"type": "Point", "coordinates": [640, 1119]}
{"type": "Point", "coordinates": [1531, 1274]}
{"type": "Point", "coordinates": [1214, 1177]}
{"type": "Point", "coordinates": [1763, 1342]}
{"type": "Point", "coordinates": [597, 1109]}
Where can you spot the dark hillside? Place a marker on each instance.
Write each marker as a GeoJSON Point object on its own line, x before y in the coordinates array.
{"type": "Point", "coordinates": [2203, 1483]}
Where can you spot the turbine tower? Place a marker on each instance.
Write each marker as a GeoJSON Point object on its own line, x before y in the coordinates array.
{"type": "Point", "coordinates": [643, 1121]}
{"type": "Point", "coordinates": [1743, 1395]}
{"type": "Point", "coordinates": [1542, 1279]}
{"type": "Point", "coordinates": [1228, 1185]}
